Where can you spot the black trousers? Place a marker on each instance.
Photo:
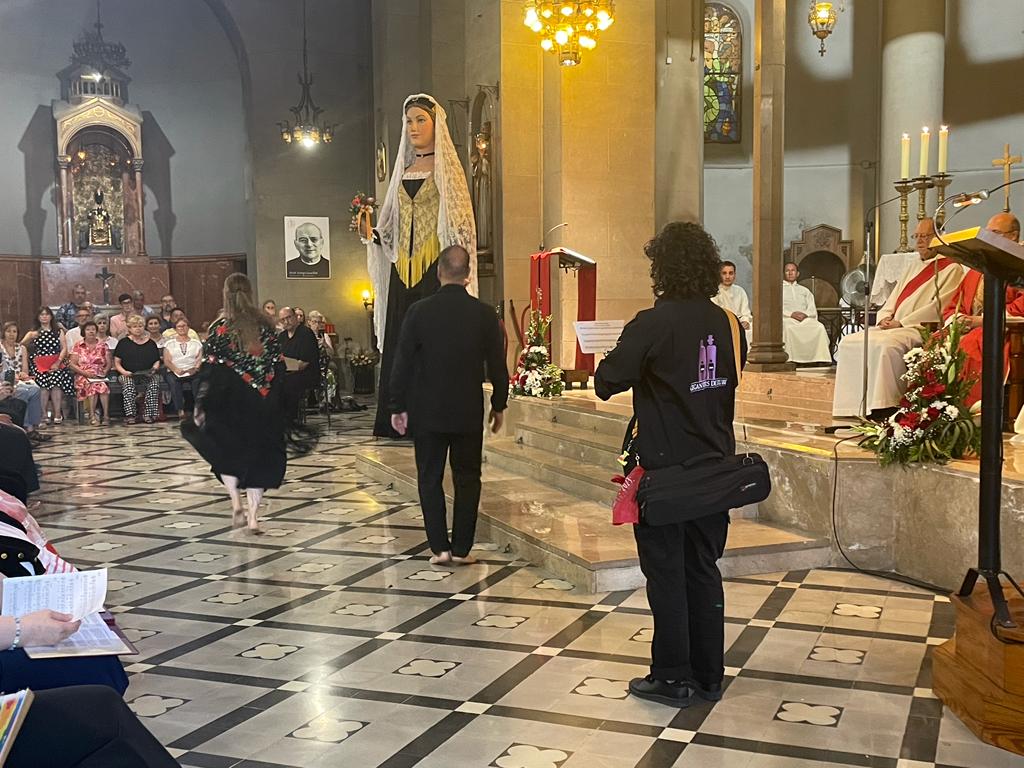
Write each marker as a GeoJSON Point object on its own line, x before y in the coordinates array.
{"type": "Point", "coordinates": [86, 726]}
{"type": "Point", "coordinates": [684, 590]}
{"type": "Point", "coordinates": [463, 450]}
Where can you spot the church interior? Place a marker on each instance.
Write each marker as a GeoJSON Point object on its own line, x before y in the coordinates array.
{"type": "Point", "coordinates": [856, 164]}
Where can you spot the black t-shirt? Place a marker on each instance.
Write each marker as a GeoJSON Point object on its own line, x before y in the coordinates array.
{"type": "Point", "coordinates": [678, 359]}
{"type": "Point", "coordinates": [137, 358]}
{"type": "Point", "coordinates": [302, 346]}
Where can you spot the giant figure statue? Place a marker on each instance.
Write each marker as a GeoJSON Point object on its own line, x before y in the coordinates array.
{"type": "Point", "coordinates": [427, 208]}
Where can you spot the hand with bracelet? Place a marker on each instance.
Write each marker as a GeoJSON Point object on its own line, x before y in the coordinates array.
{"type": "Point", "coordinates": [44, 627]}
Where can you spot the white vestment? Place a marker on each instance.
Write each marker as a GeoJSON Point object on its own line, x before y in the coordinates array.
{"type": "Point", "coordinates": [806, 340]}
{"type": "Point", "coordinates": [734, 298]}
{"type": "Point", "coordinates": [887, 347]}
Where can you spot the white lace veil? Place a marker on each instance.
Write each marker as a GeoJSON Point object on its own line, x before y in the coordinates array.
{"type": "Point", "coordinates": [455, 223]}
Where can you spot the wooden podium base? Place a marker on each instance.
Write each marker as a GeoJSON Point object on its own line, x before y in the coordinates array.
{"type": "Point", "coordinates": [980, 678]}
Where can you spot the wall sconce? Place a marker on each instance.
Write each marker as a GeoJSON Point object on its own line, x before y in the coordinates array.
{"type": "Point", "coordinates": [367, 300]}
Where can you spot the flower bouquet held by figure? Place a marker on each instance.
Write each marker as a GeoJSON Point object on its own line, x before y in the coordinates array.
{"type": "Point", "coordinates": [362, 207]}
{"type": "Point", "coordinates": [536, 375]}
{"type": "Point", "coordinates": [933, 422]}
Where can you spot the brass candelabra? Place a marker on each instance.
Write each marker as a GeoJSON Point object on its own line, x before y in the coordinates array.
{"type": "Point", "coordinates": [941, 181]}
{"type": "Point", "coordinates": [903, 187]}
{"type": "Point", "coordinates": [922, 184]}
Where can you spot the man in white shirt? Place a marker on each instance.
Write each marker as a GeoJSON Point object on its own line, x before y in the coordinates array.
{"type": "Point", "coordinates": [734, 298]}
{"type": "Point", "coordinates": [82, 315]}
{"type": "Point", "coordinates": [919, 297]}
{"type": "Point", "coordinates": [804, 337]}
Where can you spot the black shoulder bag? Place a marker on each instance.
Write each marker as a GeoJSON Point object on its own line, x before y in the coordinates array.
{"type": "Point", "coordinates": [707, 483]}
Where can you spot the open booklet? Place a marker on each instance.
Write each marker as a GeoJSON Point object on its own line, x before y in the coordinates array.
{"type": "Point", "coordinates": [13, 708]}
{"type": "Point", "coordinates": [81, 595]}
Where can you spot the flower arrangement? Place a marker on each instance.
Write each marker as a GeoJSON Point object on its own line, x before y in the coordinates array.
{"type": "Point", "coordinates": [361, 205]}
{"type": "Point", "coordinates": [359, 358]}
{"type": "Point", "coordinates": [933, 422]}
{"type": "Point", "coordinates": [536, 375]}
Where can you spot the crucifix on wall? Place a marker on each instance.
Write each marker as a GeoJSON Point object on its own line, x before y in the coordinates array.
{"type": "Point", "coordinates": [1007, 162]}
{"type": "Point", "coordinates": [106, 276]}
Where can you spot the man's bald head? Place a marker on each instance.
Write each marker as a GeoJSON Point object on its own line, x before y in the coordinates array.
{"type": "Point", "coordinates": [923, 236]}
{"type": "Point", "coordinates": [453, 265]}
{"type": "Point", "coordinates": [1005, 224]}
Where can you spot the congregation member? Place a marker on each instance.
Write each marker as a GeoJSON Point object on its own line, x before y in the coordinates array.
{"type": "Point", "coordinates": [67, 312]}
{"type": "Point", "coordinates": [103, 332]}
{"type": "Point", "coordinates": [302, 359]}
{"type": "Point", "coordinates": [167, 306]}
{"type": "Point", "coordinates": [139, 305]}
{"type": "Point", "coordinates": [805, 338]}
{"type": "Point", "coordinates": [300, 315]}
{"type": "Point", "coordinates": [44, 355]}
{"type": "Point", "coordinates": [657, 357]}
{"type": "Point", "coordinates": [179, 314]}
{"type": "Point", "coordinates": [91, 360]}
{"type": "Point", "coordinates": [11, 371]}
{"type": "Point", "coordinates": [270, 310]}
{"type": "Point", "coordinates": [239, 424]}
{"type": "Point", "coordinates": [449, 343]}
{"type": "Point", "coordinates": [119, 322]}
{"type": "Point", "coordinates": [968, 304]}
{"type": "Point", "coordinates": [182, 357]}
{"type": "Point", "coordinates": [137, 360]}
{"type": "Point", "coordinates": [919, 297]}
{"type": "Point", "coordinates": [17, 468]}
{"type": "Point", "coordinates": [74, 334]}
{"type": "Point", "coordinates": [733, 298]}
{"type": "Point", "coordinates": [154, 332]}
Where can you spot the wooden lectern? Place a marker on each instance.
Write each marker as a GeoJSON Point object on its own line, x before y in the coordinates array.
{"type": "Point", "coordinates": [979, 673]}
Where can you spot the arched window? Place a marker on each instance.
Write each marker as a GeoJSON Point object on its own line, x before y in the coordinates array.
{"type": "Point", "coordinates": [723, 74]}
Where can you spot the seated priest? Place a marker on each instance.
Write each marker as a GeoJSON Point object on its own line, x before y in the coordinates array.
{"type": "Point", "coordinates": [732, 297]}
{"type": "Point", "coordinates": [919, 297]}
{"type": "Point", "coordinates": [968, 304]}
{"type": "Point", "coordinates": [804, 337]}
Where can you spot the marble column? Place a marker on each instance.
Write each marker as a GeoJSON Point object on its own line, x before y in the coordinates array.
{"type": "Point", "coordinates": [913, 64]}
{"type": "Point", "coordinates": [767, 352]}
{"type": "Point", "coordinates": [64, 231]}
{"type": "Point", "coordinates": [139, 199]}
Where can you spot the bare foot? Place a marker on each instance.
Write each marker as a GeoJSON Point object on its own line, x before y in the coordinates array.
{"type": "Point", "coordinates": [467, 560]}
{"type": "Point", "coordinates": [445, 558]}
{"type": "Point", "coordinates": [237, 517]}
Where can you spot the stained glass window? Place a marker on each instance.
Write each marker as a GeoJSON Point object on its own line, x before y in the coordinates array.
{"type": "Point", "coordinates": [723, 74]}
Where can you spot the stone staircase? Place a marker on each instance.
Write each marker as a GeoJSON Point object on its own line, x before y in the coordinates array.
{"type": "Point", "coordinates": [547, 495]}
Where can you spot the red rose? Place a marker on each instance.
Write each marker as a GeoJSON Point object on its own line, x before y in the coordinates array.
{"type": "Point", "coordinates": [904, 403]}
{"type": "Point", "coordinates": [246, 377]}
{"type": "Point", "coordinates": [909, 420]}
{"type": "Point", "coordinates": [264, 391]}
{"type": "Point", "coordinates": [933, 414]}
{"type": "Point", "coordinates": [221, 330]}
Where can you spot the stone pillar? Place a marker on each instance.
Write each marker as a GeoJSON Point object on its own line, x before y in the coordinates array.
{"type": "Point", "coordinates": [139, 197]}
{"type": "Point", "coordinates": [767, 352]}
{"type": "Point", "coordinates": [913, 63]}
{"type": "Point", "coordinates": [64, 230]}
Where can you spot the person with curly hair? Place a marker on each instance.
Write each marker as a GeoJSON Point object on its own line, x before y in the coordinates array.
{"type": "Point", "coordinates": [678, 358]}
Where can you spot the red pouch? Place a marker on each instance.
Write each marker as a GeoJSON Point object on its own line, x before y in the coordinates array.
{"type": "Point", "coordinates": [46, 363]}
{"type": "Point", "coordinates": [625, 508]}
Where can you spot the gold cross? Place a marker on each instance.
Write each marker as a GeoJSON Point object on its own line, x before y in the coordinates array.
{"type": "Point", "coordinates": [1006, 162]}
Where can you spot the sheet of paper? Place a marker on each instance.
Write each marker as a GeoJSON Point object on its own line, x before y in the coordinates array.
{"type": "Point", "coordinates": [77, 594]}
{"type": "Point", "coordinates": [598, 336]}
{"type": "Point", "coordinates": [93, 638]}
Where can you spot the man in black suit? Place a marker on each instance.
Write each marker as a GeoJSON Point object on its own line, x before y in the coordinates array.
{"type": "Point", "coordinates": [448, 342]}
{"type": "Point", "coordinates": [302, 356]}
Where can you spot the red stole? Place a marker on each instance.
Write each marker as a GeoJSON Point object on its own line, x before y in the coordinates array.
{"type": "Point", "coordinates": [926, 273]}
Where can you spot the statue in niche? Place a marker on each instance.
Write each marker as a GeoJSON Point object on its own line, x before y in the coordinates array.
{"type": "Point", "coordinates": [99, 231]}
{"type": "Point", "coordinates": [480, 171]}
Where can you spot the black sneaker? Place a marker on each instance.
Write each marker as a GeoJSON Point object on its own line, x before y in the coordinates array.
{"type": "Point", "coordinates": [674, 694]}
{"type": "Point", "coordinates": [711, 692]}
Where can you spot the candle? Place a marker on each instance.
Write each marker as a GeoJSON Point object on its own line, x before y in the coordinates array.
{"type": "Point", "coordinates": [943, 148]}
{"type": "Point", "coordinates": [925, 137]}
{"type": "Point", "coordinates": [905, 156]}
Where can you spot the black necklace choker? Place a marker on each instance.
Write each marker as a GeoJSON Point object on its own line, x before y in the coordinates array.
{"type": "Point", "coordinates": [425, 154]}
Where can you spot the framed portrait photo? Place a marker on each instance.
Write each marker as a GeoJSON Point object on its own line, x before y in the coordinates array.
{"type": "Point", "coordinates": [307, 247]}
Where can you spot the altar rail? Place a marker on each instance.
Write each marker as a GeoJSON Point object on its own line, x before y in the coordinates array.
{"type": "Point", "coordinates": [196, 283]}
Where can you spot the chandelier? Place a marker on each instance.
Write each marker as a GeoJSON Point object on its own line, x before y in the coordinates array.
{"type": "Point", "coordinates": [822, 18]}
{"type": "Point", "coordinates": [307, 131]}
{"type": "Point", "coordinates": [569, 28]}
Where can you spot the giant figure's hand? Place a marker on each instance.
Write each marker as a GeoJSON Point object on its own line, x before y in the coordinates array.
{"type": "Point", "coordinates": [400, 423]}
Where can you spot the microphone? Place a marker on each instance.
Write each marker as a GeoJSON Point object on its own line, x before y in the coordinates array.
{"type": "Point", "coordinates": [969, 198]}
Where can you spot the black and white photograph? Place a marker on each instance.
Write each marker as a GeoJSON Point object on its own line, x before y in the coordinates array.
{"type": "Point", "coordinates": [307, 247]}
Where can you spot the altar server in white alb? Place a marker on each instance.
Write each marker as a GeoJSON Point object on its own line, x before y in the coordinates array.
{"type": "Point", "coordinates": [732, 297]}
{"type": "Point", "coordinates": [919, 297]}
{"type": "Point", "coordinates": [805, 338]}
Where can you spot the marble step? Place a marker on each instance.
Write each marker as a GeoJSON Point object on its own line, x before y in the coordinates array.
{"type": "Point", "coordinates": [583, 445]}
{"type": "Point", "coordinates": [573, 538]}
{"type": "Point", "coordinates": [576, 413]}
{"type": "Point", "coordinates": [582, 480]}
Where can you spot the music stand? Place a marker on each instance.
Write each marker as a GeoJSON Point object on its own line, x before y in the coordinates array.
{"type": "Point", "coordinates": [1000, 260]}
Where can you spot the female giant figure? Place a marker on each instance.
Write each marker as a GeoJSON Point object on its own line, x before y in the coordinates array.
{"type": "Point", "coordinates": [427, 208]}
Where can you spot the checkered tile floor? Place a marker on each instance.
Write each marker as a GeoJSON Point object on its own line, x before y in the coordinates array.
{"type": "Point", "coordinates": [332, 641]}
